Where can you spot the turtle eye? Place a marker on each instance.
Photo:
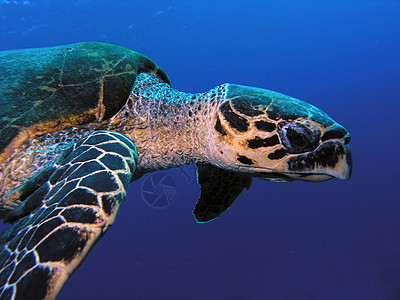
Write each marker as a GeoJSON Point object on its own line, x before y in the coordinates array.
{"type": "Point", "coordinates": [298, 137]}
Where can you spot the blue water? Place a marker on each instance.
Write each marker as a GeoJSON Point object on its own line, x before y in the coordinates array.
{"type": "Point", "coordinates": [294, 241]}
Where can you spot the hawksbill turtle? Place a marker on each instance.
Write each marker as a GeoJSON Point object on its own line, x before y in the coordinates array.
{"type": "Point", "coordinates": [79, 122]}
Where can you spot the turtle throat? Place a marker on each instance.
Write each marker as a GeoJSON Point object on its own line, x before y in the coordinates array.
{"type": "Point", "coordinates": [169, 128]}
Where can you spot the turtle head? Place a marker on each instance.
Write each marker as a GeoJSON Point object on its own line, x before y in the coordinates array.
{"type": "Point", "coordinates": [279, 138]}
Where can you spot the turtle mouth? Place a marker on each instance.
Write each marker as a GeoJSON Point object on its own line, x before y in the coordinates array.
{"type": "Point", "coordinates": [276, 176]}
{"type": "Point", "coordinates": [332, 159]}
{"type": "Point", "coordinates": [265, 173]}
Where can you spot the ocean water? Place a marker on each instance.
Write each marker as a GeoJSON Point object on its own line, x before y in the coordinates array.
{"type": "Point", "coordinates": [290, 241]}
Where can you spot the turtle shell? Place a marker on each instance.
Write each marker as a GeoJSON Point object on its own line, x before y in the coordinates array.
{"type": "Point", "coordinates": [47, 89]}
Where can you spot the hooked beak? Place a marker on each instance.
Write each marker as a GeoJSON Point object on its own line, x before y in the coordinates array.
{"type": "Point", "coordinates": [344, 167]}
{"type": "Point", "coordinates": [332, 158]}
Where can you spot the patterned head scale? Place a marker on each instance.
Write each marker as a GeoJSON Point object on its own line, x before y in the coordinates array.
{"type": "Point", "coordinates": [279, 138]}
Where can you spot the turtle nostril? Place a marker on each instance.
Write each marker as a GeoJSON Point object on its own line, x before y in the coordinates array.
{"type": "Point", "coordinates": [347, 140]}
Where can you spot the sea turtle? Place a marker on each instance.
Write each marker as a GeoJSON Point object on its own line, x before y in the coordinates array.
{"type": "Point", "coordinates": [80, 122]}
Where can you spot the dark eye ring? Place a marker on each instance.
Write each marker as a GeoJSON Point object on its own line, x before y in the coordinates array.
{"type": "Point", "coordinates": [298, 137]}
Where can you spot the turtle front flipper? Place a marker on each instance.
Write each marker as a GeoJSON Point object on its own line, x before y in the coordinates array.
{"type": "Point", "coordinates": [219, 189]}
{"type": "Point", "coordinates": [41, 250]}
{"type": "Point", "coordinates": [32, 192]}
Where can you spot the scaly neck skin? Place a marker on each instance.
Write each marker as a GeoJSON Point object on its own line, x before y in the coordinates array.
{"type": "Point", "coordinates": [169, 128]}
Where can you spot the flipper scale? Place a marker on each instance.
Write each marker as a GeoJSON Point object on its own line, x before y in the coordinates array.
{"type": "Point", "coordinates": [42, 249]}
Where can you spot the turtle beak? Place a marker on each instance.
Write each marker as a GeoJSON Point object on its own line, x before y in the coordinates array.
{"type": "Point", "coordinates": [348, 165]}
{"type": "Point", "coordinates": [332, 159]}
{"type": "Point", "coordinates": [344, 167]}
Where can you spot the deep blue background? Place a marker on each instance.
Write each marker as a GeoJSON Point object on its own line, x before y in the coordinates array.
{"type": "Point", "coordinates": [332, 240]}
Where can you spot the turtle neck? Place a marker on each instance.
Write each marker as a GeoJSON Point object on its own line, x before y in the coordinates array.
{"type": "Point", "coordinates": [169, 128]}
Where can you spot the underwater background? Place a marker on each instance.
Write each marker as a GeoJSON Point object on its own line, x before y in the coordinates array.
{"type": "Point", "coordinates": [291, 241]}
